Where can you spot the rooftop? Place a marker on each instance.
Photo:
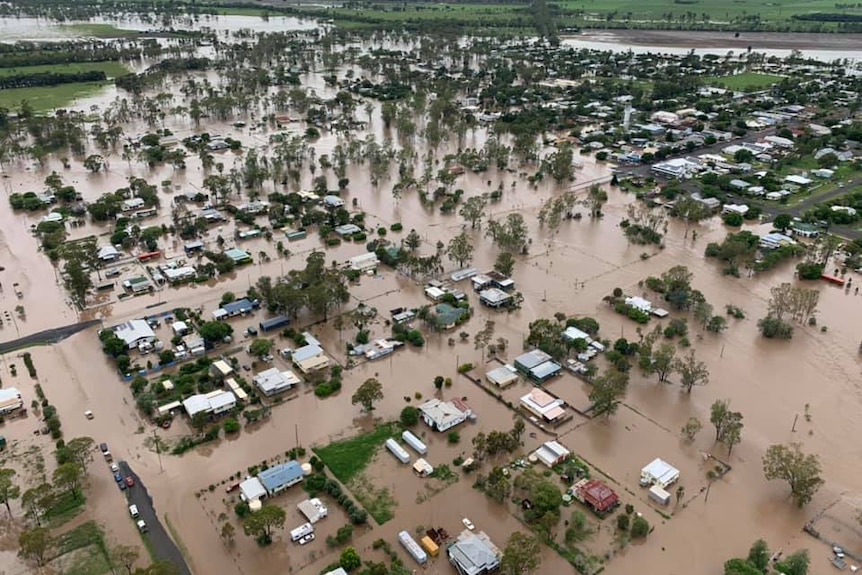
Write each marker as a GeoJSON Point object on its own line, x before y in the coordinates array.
{"type": "Point", "coordinates": [474, 553]}
{"type": "Point", "coordinates": [532, 359]}
{"type": "Point", "coordinates": [278, 476]}
{"type": "Point", "coordinates": [134, 331]}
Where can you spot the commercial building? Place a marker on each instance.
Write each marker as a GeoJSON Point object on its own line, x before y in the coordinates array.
{"type": "Point", "coordinates": [474, 554]}
{"type": "Point", "coordinates": [135, 332]}
{"type": "Point", "coordinates": [279, 477]}
{"type": "Point", "coordinates": [543, 405]}
{"type": "Point", "coordinates": [272, 381]}
{"type": "Point", "coordinates": [444, 415]}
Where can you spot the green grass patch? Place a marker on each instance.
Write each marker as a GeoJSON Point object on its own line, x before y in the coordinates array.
{"type": "Point", "coordinates": [82, 551]}
{"type": "Point", "coordinates": [98, 30]}
{"type": "Point", "coordinates": [88, 533]}
{"type": "Point", "coordinates": [349, 457]}
{"type": "Point", "coordinates": [747, 81]}
{"type": "Point", "coordinates": [46, 98]}
{"type": "Point", "coordinates": [378, 501]}
{"type": "Point", "coordinates": [111, 69]}
{"type": "Point", "coordinates": [65, 508]}
{"type": "Point", "coordinates": [238, 11]}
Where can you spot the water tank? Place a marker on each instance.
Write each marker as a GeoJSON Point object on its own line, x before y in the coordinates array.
{"type": "Point", "coordinates": [306, 469]}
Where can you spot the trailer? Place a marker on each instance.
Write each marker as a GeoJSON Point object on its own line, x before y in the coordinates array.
{"type": "Point", "coordinates": [397, 451]}
{"type": "Point", "coordinates": [414, 442]}
{"type": "Point", "coordinates": [274, 323]}
{"type": "Point", "coordinates": [301, 531]}
{"type": "Point", "coordinates": [413, 548]}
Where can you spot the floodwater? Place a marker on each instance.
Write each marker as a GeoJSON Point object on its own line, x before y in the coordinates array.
{"type": "Point", "coordinates": [567, 271]}
{"type": "Point", "coordinates": [823, 47]}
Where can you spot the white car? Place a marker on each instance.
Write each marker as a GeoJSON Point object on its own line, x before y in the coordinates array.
{"type": "Point", "coordinates": [468, 524]}
{"type": "Point", "coordinates": [133, 509]}
{"type": "Point", "coordinates": [88, 414]}
{"type": "Point", "coordinates": [114, 468]}
{"type": "Point", "coordinates": [307, 539]}
{"type": "Point", "coordinates": [142, 527]}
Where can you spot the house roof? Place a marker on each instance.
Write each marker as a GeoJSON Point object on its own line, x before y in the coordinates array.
{"type": "Point", "coordinates": [545, 370]}
{"type": "Point", "coordinates": [280, 475]}
{"type": "Point", "coordinates": [237, 254]}
{"type": "Point", "coordinates": [441, 412]}
{"type": "Point", "coordinates": [272, 380]}
{"type": "Point", "coordinates": [238, 306]}
{"type": "Point", "coordinates": [541, 402]}
{"type": "Point", "coordinates": [473, 553]}
{"type": "Point", "coordinates": [107, 252]}
{"type": "Point", "coordinates": [306, 352]}
{"type": "Point", "coordinates": [550, 452]}
{"type": "Point", "coordinates": [222, 367]}
{"type": "Point", "coordinates": [447, 314]}
{"type": "Point", "coordinates": [223, 399]}
{"type": "Point", "coordinates": [572, 333]}
{"type": "Point", "coordinates": [502, 375]}
{"type": "Point", "coordinates": [196, 404]}
{"type": "Point", "coordinates": [134, 331]}
{"type": "Point", "coordinates": [599, 494]}
{"type": "Point", "coordinates": [532, 359]}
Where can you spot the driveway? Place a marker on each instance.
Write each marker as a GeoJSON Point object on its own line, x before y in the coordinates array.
{"type": "Point", "coordinates": [159, 541]}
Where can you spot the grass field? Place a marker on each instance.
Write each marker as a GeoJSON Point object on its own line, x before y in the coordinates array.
{"type": "Point", "coordinates": [82, 551]}
{"type": "Point", "coordinates": [717, 10]}
{"type": "Point", "coordinates": [348, 458]}
{"type": "Point", "coordinates": [745, 81]}
{"type": "Point", "coordinates": [48, 97]}
{"type": "Point", "coordinates": [111, 69]}
{"type": "Point", "coordinates": [98, 30]}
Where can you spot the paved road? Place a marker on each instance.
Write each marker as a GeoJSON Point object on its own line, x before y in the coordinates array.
{"type": "Point", "coordinates": [164, 547]}
{"type": "Point", "coordinates": [53, 335]}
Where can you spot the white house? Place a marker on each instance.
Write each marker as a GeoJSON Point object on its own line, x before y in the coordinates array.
{"type": "Point", "coordinates": [135, 332]}
{"type": "Point", "coordinates": [444, 415]}
{"type": "Point", "coordinates": [272, 381]}
{"type": "Point", "coordinates": [132, 204]}
{"type": "Point", "coordinates": [364, 262]}
{"type": "Point", "coordinates": [639, 303]}
{"type": "Point", "coordinates": [544, 405]}
{"type": "Point", "coordinates": [740, 209]}
{"type": "Point", "coordinates": [846, 209]}
{"type": "Point", "coordinates": [108, 253]}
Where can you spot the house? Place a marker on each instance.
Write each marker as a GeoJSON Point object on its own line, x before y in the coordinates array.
{"type": "Point", "coordinates": [639, 303]}
{"type": "Point", "coordinates": [221, 401]}
{"type": "Point", "coordinates": [775, 240]}
{"type": "Point", "coordinates": [272, 381]}
{"type": "Point", "coordinates": [444, 415]}
{"type": "Point", "coordinates": [238, 256]}
{"type": "Point", "coordinates": [500, 281]}
{"type": "Point", "coordinates": [677, 168]}
{"type": "Point", "coordinates": [798, 180]}
{"type": "Point", "coordinates": [279, 477]}
{"type": "Point", "coordinates": [434, 293]}
{"type": "Point", "coordinates": [135, 332]}
{"type": "Point", "coordinates": [823, 173]}
{"type": "Point", "coordinates": [175, 275]}
{"type": "Point", "coordinates": [552, 453]}
{"type": "Point", "coordinates": [573, 334]}
{"type": "Point", "coordinates": [333, 202]}
{"type": "Point", "coordinates": [10, 400]}
{"type": "Point", "coordinates": [710, 203]}
{"type": "Point", "coordinates": [805, 230]}
{"type": "Point", "coordinates": [474, 554]}
{"type": "Point", "coordinates": [132, 204]}
{"type": "Point", "coordinates": [546, 407]}
{"type": "Point", "coordinates": [239, 307]}
{"type": "Point", "coordinates": [138, 285]}
{"type": "Point", "coordinates": [596, 495]}
{"type": "Point", "coordinates": [494, 298]}
{"type": "Point", "coordinates": [338, 571]}
{"type": "Point", "coordinates": [740, 209]}
{"type": "Point", "coordinates": [180, 328]}
{"type": "Point", "coordinates": [252, 490]}
{"type": "Point", "coordinates": [779, 141]}
{"type": "Point", "coordinates": [448, 316]}
{"type": "Point", "coordinates": [220, 368]}
{"type": "Point", "coordinates": [537, 365]}
{"type": "Point", "coordinates": [212, 215]}
{"type": "Point", "coordinates": [310, 357]}
{"type": "Point", "coordinates": [193, 247]}
{"type": "Point", "coordinates": [364, 262]}
{"type": "Point", "coordinates": [739, 185]}
{"type": "Point", "coordinates": [347, 230]}
{"type": "Point", "coordinates": [255, 207]}
{"type": "Point", "coordinates": [195, 404]}
{"type": "Point", "coordinates": [659, 473]}
{"type": "Point", "coordinates": [503, 376]}
{"type": "Point", "coordinates": [108, 254]}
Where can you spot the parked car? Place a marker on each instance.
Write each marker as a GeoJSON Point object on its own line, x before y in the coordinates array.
{"type": "Point", "coordinates": [130, 481]}
{"type": "Point", "coordinates": [468, 524]}
{"type": "Point", "coordinates": [88, 414]}
{"type": "Point", "coordinates": [118, 477]}
{"type": "Point", "coordinates": [142, 526]}
{"type": "Point", "coordinates": [307, 539]}
{"type": "Point", "coordinates": [114, 468]}
{"type": "Point", "coordinates": [103, 447]}
{"type": "Point", "coordinates": [133, 509]}
{"type": "Point", "coordinates": [122, 486]}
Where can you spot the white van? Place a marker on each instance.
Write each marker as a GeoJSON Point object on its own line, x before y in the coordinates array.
{"type": "Point", "coordinates": [301, 532]}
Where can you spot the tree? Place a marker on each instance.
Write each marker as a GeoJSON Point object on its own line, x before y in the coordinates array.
{"type": "Point", "coordinates": [596, 198]}
{"type": "Point", "coordinates": [260, 347]}
{"type": "Point", "coordinates": [663, 361]}
{"type": "Point", "coordinates": [261, 524]}
{"type": "Point", "coordinates": [68, 476]}
{"type": "Point", "coordinates": [579, 528]}
{"type": "Point", "coordinates": [460, 249]}
{"type": "Point", "coordinates": [640, 527]}
{"type": "Point", "coordinates": [703, 313]}
{"type": "Point", "coordinates": [349, 559]}
{"type": "Point", "coordinates": [200, 420]}
{"type": "Point", "coordinates": [719, 414]}
{"type": "Point", "coordinates": [691, 428]}
{"type": "Point", "coordinates": [795, 563]}
{"type": "Point", "coordinates": [33, 544]}
{"type": "Point", "coordinates": [782, 222]}
{"type": "Point", "coordinates": [732, 430]}
{"type": "Point", "coordinates": [159, 568]}
{"type": "Point", "coordinates": [215, 331]}
{"type": "Point", "coordinates": [800, 471]}
{"type": "Point", "coordinates": [367, 393]}
{"type": "Point", "coordinates": [227, 532]}
{"type": "Point", "coordinates": [608, 390]}
{"type": "Point", "coordinates": [94, 163]}
{"type": "Point", "coordinates": [36, 500]}
{"type": "Point", "coordinates": [759, 555]}
{"type": "Point", "coordinates": [409, 416]}
{"type": "Point", "coordinates": [739, 566]}
{"type": "Point", "coordinates": [522, 555]}
{"type": "Point", "coordinates": [413, 240]}
{"type": "Point", "coordinates": [81, 450]}
{"type": "Point", "coordinates": [505, 263]}
{"type": "Point", "coordinates": [716, 324]}
{"type": "Point", "coordinates": [511, 234]}
{"type": "Point", "coordinates": [8, 489]}
{"type": "Point", "coordinates": [125, 555]}
{"type": "Point", "coordinates": [498, 487]}
{"type": "Point", "coordinates": [691, 372]}
{"type": "Point", "coordinates": [473, 210]}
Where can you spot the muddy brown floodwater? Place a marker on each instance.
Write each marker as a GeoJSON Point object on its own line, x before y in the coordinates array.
{"type": "Point", "coordinates": [568, 271]}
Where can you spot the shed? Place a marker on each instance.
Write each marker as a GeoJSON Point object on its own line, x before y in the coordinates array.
{"type": "Point", "coordinates": [221, 368]}
{"type": "Point", "coordinates": [252, 490]}
{"type": "Point", "coordinates": [238, 256]}
{"type": "Point", "coordinates": [313, 509]}
{"type": "Point", "coordinates": [422, 468]}
{"type": "Point", "coordinates": [238, 307]}
{"type": "Point", "coordinates": [180, 328]}
{"type": "Point", "coordinates": [503, 376]}
{"type": "Point", "coordinates": [399, 452]}
{"type": "Point", "coordinates": [274, 323]}
{"type": "Point", "coordinates": [414, 442]}
{"type": "Point", "coordinates": [412, 547]}
{"type": "Point", "coordinates": [429, 546]}
{"type": "Point", "coordinates": [660, 473]}
{"type": "Point", "coordinates": [169, 407]}
{"type": "Point", "coordinates": [552, 453]}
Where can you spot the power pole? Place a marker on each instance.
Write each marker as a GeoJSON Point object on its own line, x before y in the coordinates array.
{"type": "Point", "coordinates": [158, 450]}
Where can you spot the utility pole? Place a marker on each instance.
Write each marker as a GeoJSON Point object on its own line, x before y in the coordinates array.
{"type": "Point", "coordinates": [795, 419]}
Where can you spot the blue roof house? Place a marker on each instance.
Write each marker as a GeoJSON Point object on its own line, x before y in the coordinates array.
{"type": "Point", "coordinates": [279, 477]}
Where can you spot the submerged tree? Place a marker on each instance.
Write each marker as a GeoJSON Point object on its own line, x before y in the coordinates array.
{"type": "Point", "coordinates": [800, 471]}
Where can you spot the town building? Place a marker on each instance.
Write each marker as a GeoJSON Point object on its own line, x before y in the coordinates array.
{"type": "Point", "coordinates": [474, 554]}
{"type": "Point", "coordinates": [252, 490]}
{"type": "Point", "coordinates": [311, 356]}
{"type": "Point", "coordinates": [214, 403]}
{"type": "Point", "coordinates": [272, 323]}
{"type": "Point", "coordinates": [221, 368]}
{"type": "Point", "coordinates": [503, 376]}
{"type": "Point", "coordinates": [135, 332]}
{"type": "Point", "coordinates": [239, 307]}
{"type": "Point", "coordinates": [546, 407]}
{"type": "Point", "coordinates": [444, 415]}
{"type": "Point", "coordinates": [333, 202]}
{"type": "Point", "coordinates": [108, 254]}
{"type": "Point", "coordinates": [639, 303]}
{"type": "Point", "coordinates": [272, 381]}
